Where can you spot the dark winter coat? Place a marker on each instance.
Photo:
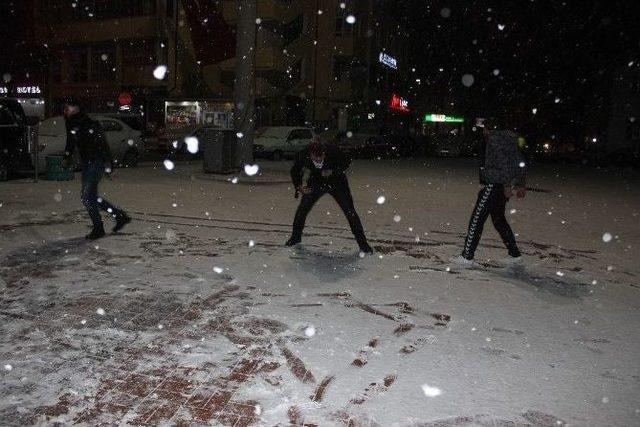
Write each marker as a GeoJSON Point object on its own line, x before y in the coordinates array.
{"type": "Point", "coordinates": [86, 135]}
{"type": "Point", "coordinates": [334, 160]}
{"type": "Point", "coordinates": [501, 161]}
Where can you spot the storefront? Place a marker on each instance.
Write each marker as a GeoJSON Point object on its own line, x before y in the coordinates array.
{"type": "Point", "coordinates": [178, 114]}
{"type": "Point", "coordinates": [29, 95]}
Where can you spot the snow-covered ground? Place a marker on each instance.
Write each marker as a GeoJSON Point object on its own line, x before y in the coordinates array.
{"type": "Point", "coordinates": [197, 315]}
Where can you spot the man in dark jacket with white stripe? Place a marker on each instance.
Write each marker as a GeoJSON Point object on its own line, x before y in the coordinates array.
{"type": "Point", "coordinates": [502, 173]}
{"type": "Point", "coordinates": [327, 166]}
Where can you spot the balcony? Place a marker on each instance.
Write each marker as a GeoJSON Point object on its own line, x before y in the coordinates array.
{"type": "Point", "coordinates": [268, 10]}
{"type": "Point", "coordinates": [267, 58]}
{"type": "Point", "coordinates": [107, 30]}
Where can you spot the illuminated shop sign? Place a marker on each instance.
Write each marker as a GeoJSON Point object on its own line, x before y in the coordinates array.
{"type": "Point", "coordinates": [399, 104]}
{"type": "Point", "coordinates": [21, 90]}
{"type": "Point", "coordinates": [4, 90]}
{"type": "Point", "coordinates": [442, 118]}
{"type": "Point", "coordinates": [388, 60]}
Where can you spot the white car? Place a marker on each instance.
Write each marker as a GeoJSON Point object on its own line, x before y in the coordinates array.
{"type": "Point", "coordinates": [125, 143]}
{"type": "Point", "coordinates": [279, 142]}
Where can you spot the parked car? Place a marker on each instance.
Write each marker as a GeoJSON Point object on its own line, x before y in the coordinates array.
{"type": "Point", "coordinates": [14, 149]}
{"type": "Point", "coordinates": [125, 143]}
{"type": "Point", "coordinates": [278, 142]}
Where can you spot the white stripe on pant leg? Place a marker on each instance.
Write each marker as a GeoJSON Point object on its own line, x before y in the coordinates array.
{"type": "Point", "coordinates": [476, 216]}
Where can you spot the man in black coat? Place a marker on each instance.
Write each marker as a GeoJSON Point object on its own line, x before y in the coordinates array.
{"type": "Point", "coordinates": [327, 166]}
{"type": "Point", "coordinates": [88, 137]}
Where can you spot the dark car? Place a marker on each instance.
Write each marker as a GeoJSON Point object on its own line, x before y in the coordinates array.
{"type": "Point", "coordinates": [14, 149]}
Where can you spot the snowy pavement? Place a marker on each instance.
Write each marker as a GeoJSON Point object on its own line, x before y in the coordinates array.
{"type": "Point", "coordinates": [196, 314]}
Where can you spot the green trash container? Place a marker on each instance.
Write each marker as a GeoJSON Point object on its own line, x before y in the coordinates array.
{"type": "Point", "coordinates": [55, 170]}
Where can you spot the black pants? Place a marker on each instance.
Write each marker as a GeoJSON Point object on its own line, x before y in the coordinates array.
{"type": "Point", "coordinates": [91, 175]}
{"type": "Point", "coordinates": [342, 194]}
{"type": "Point", "coordinates": [491, 201]}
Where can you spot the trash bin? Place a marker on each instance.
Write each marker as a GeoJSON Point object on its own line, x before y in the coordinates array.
{"type": "Point", "coordinates": [55, 170]}
{"type": "Point", "coordinates": [218, 150]}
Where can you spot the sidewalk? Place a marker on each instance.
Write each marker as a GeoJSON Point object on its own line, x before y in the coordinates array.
{"type": "Point", "coordinates": [196, 314]}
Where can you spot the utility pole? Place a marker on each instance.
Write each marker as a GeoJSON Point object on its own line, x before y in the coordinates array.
{"type": "Point", "coordinates": [244, 90]}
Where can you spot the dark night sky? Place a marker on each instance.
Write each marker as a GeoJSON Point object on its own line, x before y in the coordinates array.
{"type": "Point", "coordinates": [546, 50]}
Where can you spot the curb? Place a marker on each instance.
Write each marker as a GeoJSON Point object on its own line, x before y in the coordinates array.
{"type": "Point", "coordinates": [244, 179]}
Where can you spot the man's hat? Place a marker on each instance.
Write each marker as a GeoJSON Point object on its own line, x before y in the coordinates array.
{"type": "Point", "coordinates": [72, 101]}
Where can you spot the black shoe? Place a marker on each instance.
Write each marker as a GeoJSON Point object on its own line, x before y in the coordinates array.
{"type": "Point", "coordinates": [121, 221]}
{"type": "Point", "coordinates": [96, 233]}
{"type": "Point", "coordinates": [366, 249]}
{"type": "Point", "coordinates": [292, 242]}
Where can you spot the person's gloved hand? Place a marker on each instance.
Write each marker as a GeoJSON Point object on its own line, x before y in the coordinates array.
{"type": "Point", "coordinates": [304, 189]}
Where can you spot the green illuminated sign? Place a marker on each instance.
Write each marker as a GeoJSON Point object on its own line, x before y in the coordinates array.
{"type": "Point", "coordinates": [441, 118]}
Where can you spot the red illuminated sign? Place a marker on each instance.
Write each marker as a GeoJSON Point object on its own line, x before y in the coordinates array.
{"type": "Point", "coordinates": [125, 98]}
{"type": "Point", "coordinates": [399, 104]}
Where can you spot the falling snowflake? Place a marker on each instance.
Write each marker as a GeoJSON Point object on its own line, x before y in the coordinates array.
{"type": "Point", "coordinates": [251, 170]}
{"type": "Point", "coordinates": [606, 237]}
{"type": "Point", "coordinates": [57, 197]}
{"type": "Point", "coordinates": [501, 27]}
{"type": "Point", "coordinates": [559, 273]}
{"type": "Point", "coordinates": [240, 135]}
{"type": "Point", "coordinates": [160, 72]}
{"type": "Point", "coordinates": [234, 180]}
{"type": "Point", "coordinates": [310, 331]}
{"type": "Point", "coordinates": [130, 142]}
{"type": "Point", "coordinates": [381, 200]}
{"type": "Point", "coordinates": [192, 144]}
{"type": "Point", "coordinates": [100, 311]}
{"type": "Point", "coordinates": [430, 391]}
{"type": "Point", "coordinates": [512, 211]}
{"type": "Point", "coordinates": [522, 164]}
{"type": "Point", "coordinates": [168, 164]}
{"type": "Point", "coordinates": [8, 367]}
{"type": "Point", "coordinates": [349, 134]}
{"type": "Point", "coordinates": [496, 72]}
{"type": "Point", "coordinates": [218, 270]}
{"type": "Point", "coordinates": [258, 21]}
{"type": "Point", "coordinates": [83, 322]}
{"type": "Point", "coordinates": [104, 56]}
{"type": "Point", "coordinates": [534, 110]}
{"type": "Point", "coordinates": [251, 243]}
{"type": "Point", "coordinates": [351, 19]}
{"type": "Point", "coordinates": [257, 410]}
{"type": "Point", "coordinates": [397, 218]}
{"type": "Point", "coordinates": [445, 12]}
{"type": "Point", "coordinates": [468, 80]}
{"type": "Point", "coordinates": [160, 326]}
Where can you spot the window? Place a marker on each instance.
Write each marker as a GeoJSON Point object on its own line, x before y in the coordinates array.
{"type": "Point", "coordinates": [103, 63]}
{"type": "Point", "coordinates": [343, 28]}
{"type": "Point", "coordinates": [341, 67]}
{"type": "Point", "coordinates": [171, 8]}
{"type": "Point", "coordinates": [110, 126]}
{"type": "Point", "coordinates": [78, 65]}
{"type": "Point", "coordinates": [293, 29]}
{"type": "Point", "coordinates": [137, 53]}
{"type": "Point", "coordinates": [110, 9]}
